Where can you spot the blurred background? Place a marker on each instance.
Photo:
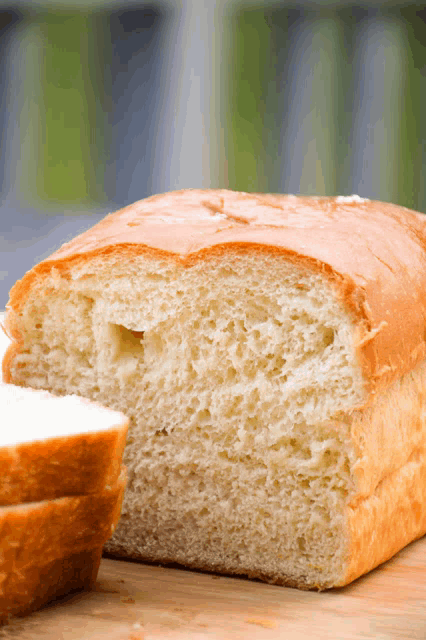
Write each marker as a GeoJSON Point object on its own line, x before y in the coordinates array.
{"type": "Point", "coordinates": [106, 102]}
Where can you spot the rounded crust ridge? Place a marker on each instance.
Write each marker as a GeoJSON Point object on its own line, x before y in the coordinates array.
{"type": "Point", "coordinates": [372, 252]}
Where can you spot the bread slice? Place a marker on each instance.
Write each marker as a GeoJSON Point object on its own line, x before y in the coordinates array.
{"type": "Point", "coordinates": [53, 547]}
{"type": "Point", "coordinates": [270, 353]}
{"type": "Point", "coordinates": [54, 447]}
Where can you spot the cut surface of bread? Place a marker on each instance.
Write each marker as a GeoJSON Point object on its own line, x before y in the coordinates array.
{"type": "Point", "coordinates": [52, 447]}
{"type": "Point", "coordinates": [269, 352]}
{"type": "Point", "coordinates": [53, 547]}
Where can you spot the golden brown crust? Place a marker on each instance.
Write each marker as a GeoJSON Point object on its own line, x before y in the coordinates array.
{"type": "Point", "coordinates": [54, 580]}
{"type": "Point", "coordinates": [76, 465]}
{"type": "Point", "coordinates": [50, 548]}
{"type": "Point", "coordinates": [13, 349]}
{"type": "Point", "coordinates": [373, 252]}
{"type": "Point", "coordinates": [388, 510]}
{"type": "Point", "coordinates": [392, 517]}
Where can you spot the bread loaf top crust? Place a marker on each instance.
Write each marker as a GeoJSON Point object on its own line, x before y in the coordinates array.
{"type": "Point", "coordinates": [373, 253]}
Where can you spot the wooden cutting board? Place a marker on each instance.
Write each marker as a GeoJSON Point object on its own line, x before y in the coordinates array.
{"type": "Point", "coordinates": [133, 601]}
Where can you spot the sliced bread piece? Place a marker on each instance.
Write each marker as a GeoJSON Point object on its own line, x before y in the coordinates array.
{"type": "Point", "coordinates": [53, 547]}
{"type": "Point", "coordinates": [270, 353]}
{"type": "Point", "coordinates": [53, 447]}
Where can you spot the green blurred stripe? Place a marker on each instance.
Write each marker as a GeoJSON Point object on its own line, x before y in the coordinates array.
{"type": "Point", "coordinates": [346, 42]}
{"type": "Point", "coordinates": [319, 173]}
{"type": "Point", "coordinates": [412, 173]}
{"type": "Point", "coordinates": [98, 86]}
{"type": "Point", "coordinates": [258, 109]}
{"type": "Point", "coordinates": [387, 134]}
{"type": "Point", "coordinates": [252, 70]}
{"type": "Point", "coordinates": [71, 129]}
{"type": "Point", "coordinates": [30, 112]}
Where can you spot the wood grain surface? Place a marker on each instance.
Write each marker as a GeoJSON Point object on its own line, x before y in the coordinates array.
{"type": "Point", "coordinates": [133, 601]}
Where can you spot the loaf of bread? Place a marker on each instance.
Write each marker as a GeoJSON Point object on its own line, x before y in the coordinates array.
{"type": "Point", "coordinates": [54, 447]}
{"type": "Point", "coordinates": [53, 547]}
{"type": "Point", "coordinates": [270, 353]}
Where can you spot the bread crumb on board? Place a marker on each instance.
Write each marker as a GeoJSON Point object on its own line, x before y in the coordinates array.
{"type": "Point", "coordinates": [260, 622]}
